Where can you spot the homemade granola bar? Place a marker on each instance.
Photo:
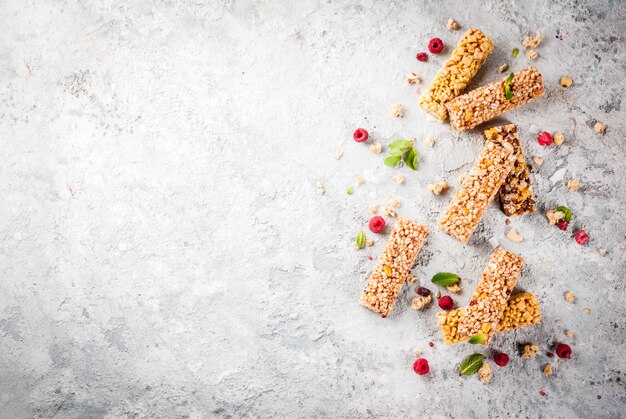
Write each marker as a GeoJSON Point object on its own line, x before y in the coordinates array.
{"type": "Point", "coordinates": [477, 190]}
{"type": "Point", "coordinates": [463, 64]}
{"type": "Point", "coordinates": [392, 268]}
{"type": "Point", "coordinates": [487, 102]}
{"type": "Point", "coordinates": [522, 310]}
{"type": "Point", "coordinates": [516, 196]}
{"type": "Point", "coordinates": [489, 300]}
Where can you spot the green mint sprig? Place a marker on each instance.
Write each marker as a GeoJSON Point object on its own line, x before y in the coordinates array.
{"type": "Point", "coordinates": [478, 338]}
{"type": "Point", "coordinates": [445, 279]}
{"type": "Point", "coordinates": [402, 150]}
{"type": "Point", "coordinates": [515, 52]}
{"type": "Point", "coordinates": [567, 213]}
{"type": "Point", "coordinates": [360, 239]}
{"type": "Point", "coordinates": [507, 87]}
{"type": "Point", "coordinates": [471, 364]}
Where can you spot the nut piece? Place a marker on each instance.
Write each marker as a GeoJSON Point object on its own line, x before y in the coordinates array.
{"type": "Point", "coordinates": [429, 142]}
{"type": "Point", "coordinates": [554, 216]}
{"type": "Point", "coordinates": [454, 288]}
{"type": "Point", "coordinates": [390, 212]}
{"type": "Point", "coordinates": [532, 42]}
{"type": "Point", "coordinates": [438, 188]}
{"type": "Point", "coordinates": [538, 160]}
{"type": "Point", "coordinates": [438, 294]}
{"type": "Point", "coordinates": [375, 148]}
{"type": "Point", "coordinates": [514, 236]}
{"type": "Point", "coordinates": [369, 243]}
{"type": "Point", "coordinates": [602, 251]}
{"type": "Point", "coordinates": [413, 78]}
{"type": "Point", "coordinates": [338, 154]}
{"type": "Point", "coordinates": [359, 181]}
{"type": "Point", "coordinates": [417, 351]}
{"type": "Point", "coordinates": [420, 303]}
{"type": "Point", "coordinates": [586, 310]}
{"type": "Point", "coordinates": [558, 138]}
{"type": "Point", "coordinates": [320, 188]}
{"type": "Point", "coordinates": [573, 184]}
{"type": "Point", "coordinates": [599, 127]}
{"type": "Point", "coordinates": [373, 209]}
{"type": "Point", "coordinates": [393, 202]}
{"type": "Point", "coordinates": [485, 373]}
{"type": "Point", "coordinates": [547, 370]}
{"type": "Point", "coordinates": [452, 25]}
{"type": "Point", "coordinates": [397, 110]}
{"type": "Point", "coordinates": [569, 297]}
{"type": "Point", "coordinates": [398, 179]}
{"type": "Point", "coordinates": [532, 55]}
{"type": "Point", "coordinates": [503, 68]}
{"type": "Point", "coordinates": [569, 333]}
{"type": "Point", "coordinates": [529, 351]}
{"type": "Point", "coordinates": [566, 81]}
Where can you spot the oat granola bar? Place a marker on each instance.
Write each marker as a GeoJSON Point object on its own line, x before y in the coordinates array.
{"type": "Point", "coordinates": [477, 190]}
{"type": "Point", "coordinates": [489, 300]}
{"type": "Point", "coordinates": [392, 268]}
{"type": "Point", "coordinates": [516, 196]}
{"type": "Point", "coordinates": [487, 102]}
{"type": "Point", "coordinates": [461, 67]}
{"type": "Point", "coordinates": [522, 310]}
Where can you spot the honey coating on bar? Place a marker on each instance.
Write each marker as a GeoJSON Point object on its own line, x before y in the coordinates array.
{"type": "Point", "coordinates": [477, 190]}
{"type": "Point", "coordinates": [457, 72]}
{"type": "Point", "coordinates": [490, 298]}
{"type": "Point", "coordinates": [393, 265]}
{"type": "Point", "coordinates": [487, 102]}
{"type": "Point", "coordinates": [516, 196]}
{"type": "Point", "coordinates": [522, 310]}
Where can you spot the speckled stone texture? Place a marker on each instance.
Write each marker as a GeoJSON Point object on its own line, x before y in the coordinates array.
{"type": "Point", "coordinates": [164, 251]}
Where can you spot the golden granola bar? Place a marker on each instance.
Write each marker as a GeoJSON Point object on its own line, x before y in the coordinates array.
{"type": "Point", "coordinates": [392, 268]}
{"type": "Point", "coordinates": [477, 190]}
{"type": "Point", "coordinates": [516, 196]}
{"type": "Point", "coordinates": [453, 78]}
{"type": "Point", "coordinates": [487, 102]}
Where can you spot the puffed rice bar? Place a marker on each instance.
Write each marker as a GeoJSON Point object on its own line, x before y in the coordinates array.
{"type": "Point", "coordinates": [516, 196]}
{"type": "Point", "coordinates": [487, 102]}
{"type": "Point", "coordinates": [457, 72]}
{"type": "Point", "coordinates": [489, 300]}
{"type": "Point", "coordinates": [477, 190]}
{"type": "Point", "coordinates": [392, 268]}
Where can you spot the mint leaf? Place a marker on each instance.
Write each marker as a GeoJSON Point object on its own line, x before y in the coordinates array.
{"type": "Point", "coordinates": [567, 213]}
{"type": "Point", "coordinates": [392, 161]}
{"type": "Point", "coordinates": [349, 191]}
{"type": "Point", "coordinates": [410, 158]}
{"type": "Point", "coordinates": [478, 338]}
{"type": "Point", "coordinates": [401, 144]}
{"type": "Point", "coordinates": [445, 279]}
{"type": "Point", "coordinates": [360, 239]}
{"type": "Point", "coordinates": [507, 87]}
{"type": "Point", "coordinates": [515, 52]}
{"type": "Point", "coordinates": [471, 364]}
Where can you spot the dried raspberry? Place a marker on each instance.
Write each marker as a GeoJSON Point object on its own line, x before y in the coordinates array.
{"type": "Point", "coordinates": [369, 257]}
{"type": "Point", "coordinates": [501, 359]}
{"type": "Point", "coordinates": [544, 139]}
{"type": "Point", "coordinates": [431, 344]}
{"type": "Point", "coordinates": [360, 135]}
{"type": "Point", "coordinates": [563, 350]}
{"type": "Point", "coordinates": [582, 237]}
{"type": "Point", "coordinates": [421, 56]}
{"type": "Point", "coordinates": [562, 225]}
{"type": "Point", "coordinates": [377, 223]}
{"type": "Point", "coordinates": [424, 292]}
{"type": "Point", "coordinates": [550, 355]}
{"type": "Point", "coordinates": [543, 393]}
{"type": "Point", "coordinates": [421, 366]}
{"type": "Point", "coordinates": [446, 303]}
{"type": "Point", "coordinates": [435, 45]}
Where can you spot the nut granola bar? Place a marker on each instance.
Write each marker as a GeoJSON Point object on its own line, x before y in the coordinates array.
{"type": "Point", "coordinates": [486, 102]}
{"type": "Point", "coordinates": [516, 196]}
{"type": "Point", "coordinates": [477, 190]}
{"type": "Point", "coordinates": [461, 67]}
{"type": "Point", "coordinates": [392, 268]}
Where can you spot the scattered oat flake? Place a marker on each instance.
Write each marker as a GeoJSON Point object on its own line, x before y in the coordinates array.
{"type": "Point", "coordinates": [532, 41]}
{"type": "Point", "coordinates": [547, 370]}
{"type": "Point", "coordinates": [569, 297]}
{"type": "Point", "coordinates": [529, 351]}
{"type": "Point", "coordinates": [587, 310]}
{"type": "Point", "coordinates": [359, 180]}
{"type": "Point", "coordinates": [566, 81]}
{"type": "Point", "coordinates": [452, 24]}
{"type": "Point", "coordinates": [429, 142]}
{"type": "Point", "coordinates": [599, 127]}
{"type": "Point", "coordinates": [376, 148]}
{"type": "Point", "coordinates": [420, 303]}
{"type": "Point", "coordinates": [602, 251]}
{"type": "Point", "coordinates": [573, 184]}
{"type": "Point", "coordinates": [538, 160]}
{"type": "Point", "coordinates": [503, 68]}
{"type": "Point", "coordinates": [514, 236]}
{"type": "Point", "coordinates": [413, 78]}
{"type": "Point", "coordinates": [393, 202]}
{"type": "Point", "coordinates": [398, 179]}
{"type": "Point", "coordinates": [569, 333]}
{"type": "Point", "coordinates": [438, 188]}
{"type": "Point", "coordinates": [320, 188]}
{"type": "Point", "coordinates": [338, 154]}
{"type": "Point", "coordinates": [485, 373]}
{"type": "Point", "coordinates": [532, 55]}
{"type": "Point", "coordinates": [558, 138]}
{"type": "Point", "coordinates": [390, 212]}
{"type": "Point", "coordinates": [397, 110]}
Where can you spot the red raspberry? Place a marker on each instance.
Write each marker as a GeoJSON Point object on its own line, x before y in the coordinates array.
{"type": "Point", "coordinates": [421, 366]}
{"type": "Point", "coordinates": [501, 359]}
{"type": "Point", "coordinates": [563, 350]}
{"type": "Point", "coordinates": [435, 45]}
{"type": "Point", "coordinates": [544, 139]}
{"type": "Point", "coordinates": [431, 344]}
{"type": "Point", "coordinates": [562, 225]}
{"type": "Point", "coordinates": [360, 135]}
{"type": "Point", "coordinates": [424, 292]}
{"type": "Point", "coordinates": [377, 223]}
{"type": "Point", "coordinates": [446, 303]}
{"type": "Point", "coordinates": [582, 237]}
{"type": "Point", "coordinates": [421, 56]}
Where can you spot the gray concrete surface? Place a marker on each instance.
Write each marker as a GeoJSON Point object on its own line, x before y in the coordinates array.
{"type": "Point", "coordinates": [163, 249]}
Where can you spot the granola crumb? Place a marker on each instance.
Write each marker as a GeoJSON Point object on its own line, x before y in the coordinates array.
{"type": "Point", "coordinates": [411, 279]}
{"type": "Point", "coordinates": [390, 212]}
{"type": "Point", "coordinates": [413, 79]}
{"type": "Point", "coordinates": [454, 288]}
{"type": "Point", "coordinates": [514, 236]}
{"type": "Point", "coordinates": [359, 181]}
{"type": "Point", "coordinates": [503, 68]}
{"type": "Point", "coordinates": [373, 209]}
{"type": "Point", "coordinates": [420, 303]}
{"type": "Point", "coordinates": [569, 297]}
{"type": "Point", "coordinates": [430, 142]}
{"type": "Point", "coordinates": [569, 333]}
{"type": "Point", "coordinates": [599, 127]}
{"type": "Point", "coordinates": [398, 179]}
{"type": "Point", "coordinates": [438, 188]}
{"type": "Point", "coordinates": [393, 202]}
{"type": "Point", "coordinates": [586, 310]}
{"type": "Point", "coordinates": [547, 370]}
{"type": "Point", "coordinates": [532, 55]}
{"type": "Point", "coordinates": [375, 148]}
{"type": "Point", "coordinates": [566, 81]}
{"type": "Point", "coordinates": [452, 25]}
{"type": "Point", "coordinates": [530, 42]}
{"type": "Point", "coordinates": [397, 110]}
{"type": "Point", "coordinates": [417, 351]}
{"type": "Point", "coordinates": [438, 294]}
{"type": "Point", "coordinates": [369, 243]}
{"type": "Point", "coordinates": [602, 251]}
{"type": "Point", "coordinates": [529, 351]}
{"type": "Point", "coordinates": [338, 154]}
{"type": "Point", "coordinates": [538, 160]}
{"type": "Point", "coordinates": [485, 373]}
{"type": "Point", "coordinates": [320, 188]}
{"type": "Point", "coordinates": [554, 216]}
{"type": "Point", "coordinates": [558, 138]}
{"type": "Point", "coordinates": [573, 184]}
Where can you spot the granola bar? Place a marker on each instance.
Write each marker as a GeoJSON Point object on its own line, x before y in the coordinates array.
{"type": "Point", "coordinates": [392, 268]}
{"type": "Point", "coordinates": [489, 300]}
{"type": "Point", "coordinates": [522, 310]}
{"type": "Point", "coordinates": [477, 190]}
{"type": "Point", "coordinates": [487, 102]}
{"type": "Point", "coordinates": [516, 196]}
{"type": "Point", "coordinates": [461, 67]}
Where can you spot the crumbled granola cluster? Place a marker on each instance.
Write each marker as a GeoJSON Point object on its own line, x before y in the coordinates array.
{"type": "Point", "coordinates": [529, 351]}
{"type": "Point", "coordinates": [461, 67]}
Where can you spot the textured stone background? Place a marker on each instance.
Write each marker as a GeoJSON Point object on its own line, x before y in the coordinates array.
{"type": "Point", "coordinates": [163, 249]}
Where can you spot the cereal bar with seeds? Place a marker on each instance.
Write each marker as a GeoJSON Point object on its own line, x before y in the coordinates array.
{"type": "Point", "coordinates": [453, 78]}
{"type": "Point", "coordinates": [477, 190]}
{"type": "Point", "coordinates": [522, 310]}
{"type": "Point", "coordinates": [516, 196]}
{"type": "Point", "coordinates": [490, 298]}
{"type": "Point", "coordinates": [487, 102]}
{"type": "Point", "coordinates": [391, 270]}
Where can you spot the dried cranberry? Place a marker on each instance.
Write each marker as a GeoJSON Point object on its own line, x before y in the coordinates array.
{"type": "Point", "coordinates": [501, 359]}
{"type": "Point", "coordinates": [543, 393]}
{"type": "Point", "coordinates": [360, 135]}
{"type": "Point", "coordinates": [544, 138]}
{"type": "Point", "coordinates": [424, 292]}
{"type": "Point", "coordinates": [446, 303]}
{"type": "Point", "coordinates": [421, 56]}
{"type": "Point", "coordinates": [562, 225]}
{"type": "Point", "coordinates": [421, 366]}
{"type": "Point", "coordinates": [550, 355]}
{"type": "Point", "coordinates": [582, 237]}
{"type": "Point", "coordinates": [377, 223]}
{"type": "Point", "coordinates": [435, 45]}
{"type": "Point", "coordinates": [431, 344]}
{"type": "Point", "coordinates": [563, 351]}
